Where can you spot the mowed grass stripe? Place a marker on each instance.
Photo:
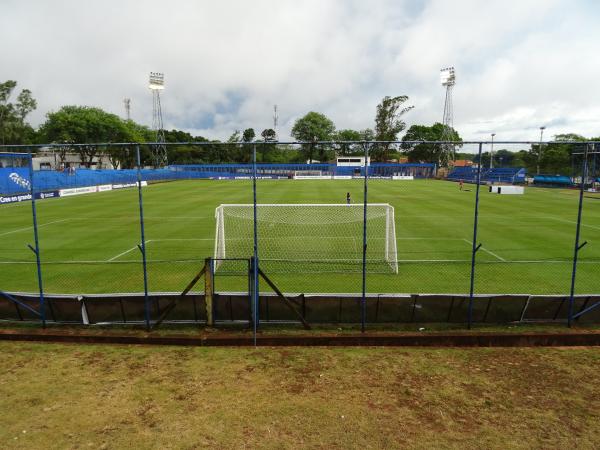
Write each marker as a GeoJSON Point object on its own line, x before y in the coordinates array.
{"type": "Point", "coordinates": [180, 225]}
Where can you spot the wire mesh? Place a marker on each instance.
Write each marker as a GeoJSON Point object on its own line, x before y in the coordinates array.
{"type": "Point", "coordinates": [588, 266]}
{"type": "Point", "coordinates": [94, 213]}
{"type": "Point", "coordinates": [525, 233]}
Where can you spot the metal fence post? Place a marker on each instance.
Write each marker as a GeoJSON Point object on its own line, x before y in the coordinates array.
{"type": "Point", "coordinates": [577, 235]}
{"type": "Point", "coordinates": [142, 246]}
{"type": "Point", "coordinates": [475, 247]}
{"type": "Point", "coordinates": [363, 312]}
{"type": "Point", "coordinates": [209, 289]}
{"type": "Point", "coordinates": [36, 248]}
{"type": "Point", "coordinates": [255, 266]}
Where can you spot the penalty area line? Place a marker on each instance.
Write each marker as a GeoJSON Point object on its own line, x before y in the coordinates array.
{"type": "Point", "coordinates": [31, 228]}
{"type": "Point", "coordinates": [125, 252]}
{"type": "Point", "coordinates": [573, 222]}
{"type": "Point", "coordinates": [183, 239]}
{"type": "Point", "coordinates": [486, 250]}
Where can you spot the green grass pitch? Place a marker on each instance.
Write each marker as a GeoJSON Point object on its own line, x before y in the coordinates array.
{"type": "Point", "coordinates": [88, 243]}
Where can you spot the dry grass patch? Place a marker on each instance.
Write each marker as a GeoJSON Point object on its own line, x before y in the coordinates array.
{"type": "Point", "coordinates": [72, 396]}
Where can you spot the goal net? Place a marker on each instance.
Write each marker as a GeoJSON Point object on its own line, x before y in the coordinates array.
{"type": "Point", "coordinates": [307, 174]}
{"type": "Point", "coordinates": [321, 237]}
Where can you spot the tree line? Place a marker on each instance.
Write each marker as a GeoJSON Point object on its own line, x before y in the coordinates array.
{"type": "Point", "coordinates": [84, 124]}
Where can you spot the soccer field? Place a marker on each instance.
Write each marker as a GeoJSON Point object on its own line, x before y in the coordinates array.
{"type": "Point", "coordinates": [89, 242]}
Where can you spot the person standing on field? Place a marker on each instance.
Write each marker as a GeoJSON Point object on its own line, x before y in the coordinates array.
{"type": "Point", "coordinates": [460, 184]}
{"type": "Point", "coordinates": [348, 198]}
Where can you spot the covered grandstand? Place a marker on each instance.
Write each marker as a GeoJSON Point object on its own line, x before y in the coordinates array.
{"type": "Point", "coordinates": [495, 175]}
{"type": "Point", "coordinates": [417, 170]}
{"type": "Point", "coordinates": [16, 180]}
{"type": "Point", "coordinates": [553, 180]}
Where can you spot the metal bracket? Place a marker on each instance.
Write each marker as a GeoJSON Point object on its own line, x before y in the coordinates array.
{"type": "Point", "coordinates": [478, 247]}
{"type": "Point", "coordinates": [32, 249]}
{"type": "Point", "coordinates": [582, 245]}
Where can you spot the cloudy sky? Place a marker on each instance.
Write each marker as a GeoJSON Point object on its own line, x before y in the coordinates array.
{"type": "Point", "coordinates": [520, 64]}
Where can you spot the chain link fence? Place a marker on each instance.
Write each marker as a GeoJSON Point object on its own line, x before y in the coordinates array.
{"type": "Point", "coordinates": [355, 227]}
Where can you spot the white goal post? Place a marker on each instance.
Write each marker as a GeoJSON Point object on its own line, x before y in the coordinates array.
{"type": "Point", "coordinates": [327, 234]}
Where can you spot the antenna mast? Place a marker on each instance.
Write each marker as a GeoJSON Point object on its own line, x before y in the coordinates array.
{"type": "Point", "coordinates": [127, 102]}
{"type": "Point", "coordinates": [275, 121]}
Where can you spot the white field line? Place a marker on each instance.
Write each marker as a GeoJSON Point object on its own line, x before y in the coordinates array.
{"type": "Point", "coordinates": [486, 250]}
{"type": "Point", "coordinates": [31, 228]}
{"type": "Point", "coordinates": [426, 239]}
{"type": "Point", "coordinates": [565, 261]}
{"type": "Point", "coordinates": [87, 219]}
{"type": "Point", "coordinates": [125, 252]}
{"type": "Point", "coordinates": [272, 238]}
{"type": "Point", "coordinates": [14, 205]}
{"type": "Point", "coordinates": [573, 222]}
{"type": "Point", "coordinates": [155, 240]}
{"type": "Point", "coordinates": [182, 239]}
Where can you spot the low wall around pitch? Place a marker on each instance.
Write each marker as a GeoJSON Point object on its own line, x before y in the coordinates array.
{"type": "Point", "coordinates": [232, 307]}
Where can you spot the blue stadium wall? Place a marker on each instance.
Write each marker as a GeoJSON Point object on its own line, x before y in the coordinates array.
{"type": "Point", "coordinates": [15, 181]}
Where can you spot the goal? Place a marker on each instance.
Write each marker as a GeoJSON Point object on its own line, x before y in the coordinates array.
{"type": "Point", "coordinates": [322, 237]}
{"type": "Point", "coordinates": [309, 174]}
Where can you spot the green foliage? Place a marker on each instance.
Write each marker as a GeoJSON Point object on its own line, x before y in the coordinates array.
{"type": "Point", "coordinates": [344, 149]}
{"type": "Point", "coordinates": [184, 154]}
{"type": "Point", "coordinates": [388, 124]}
{"type": "Point", "coordinates": [556, 157]}
{"type": "Point", "coordinates": [314, 126]}
{"type": "Point", "coordinates": [269, 135]}
{"type": "Point", "coordinates": [13, 128]}
{"type": "Point", "coordinates": [87, 125]}
{"type": "Point", "coordinates": [248, 135]}
{"type": "Point", "coordinates": [426, 152]}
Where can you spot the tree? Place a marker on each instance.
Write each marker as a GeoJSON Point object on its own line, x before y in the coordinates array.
{"type": "Point", "coordinates": [426, 152]}
{"type": "Point", "coordinates": [367, 134]}
{"type": "Point", "coordinates": [312, 127]}
{"type": "Point", "coordinates": [388, 124]}
{"type": "Point", "coordinates": [85, 125]}
{"type": "Point", "coordinates": [345, 149]}
{"type": "Point", "coordinates": [13, 128]}
{"type": "Point", "coordinates": [561, 158]}
{"type": "Point", "coordinates": [183, 154]}
{"type": "Point", "coordinates": [248, 135]}
{"type": "Point", "coordinates": [233, 151]}
{"type": "Point", "coordinates": [268, 135]}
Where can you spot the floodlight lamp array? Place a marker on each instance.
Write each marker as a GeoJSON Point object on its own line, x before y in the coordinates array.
{"type": "Point", "coordinates": [448, 76]}
{"type": "Point", "coordinates": [157, 80]}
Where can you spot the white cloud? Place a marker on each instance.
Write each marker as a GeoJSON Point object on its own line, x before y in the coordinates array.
{"type": "Point", "coordinates": [520, 63]}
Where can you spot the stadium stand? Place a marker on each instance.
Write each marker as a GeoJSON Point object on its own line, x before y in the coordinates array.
{"type": "Point", "coordinates": [15, 180]}
{"type": "Point", "coordinates": [418, 170]}
{"type": "Point", "coordinates": [498, 175]}
{"type": "Point", "coordinates": [552, 180]}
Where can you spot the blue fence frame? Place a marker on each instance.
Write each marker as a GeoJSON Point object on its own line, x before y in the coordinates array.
{"type": "Point", "coordinates": [38, 181]}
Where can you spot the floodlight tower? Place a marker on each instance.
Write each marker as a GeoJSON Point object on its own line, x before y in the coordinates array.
{"type": "Point", "coordinates": [448, 79]}
{"type": "Point", "coordinates": [539, 156]}
{"type": "Point", "coordinates": [157, 84]}
{"type": "Point", "coordinates": [492, 152]}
